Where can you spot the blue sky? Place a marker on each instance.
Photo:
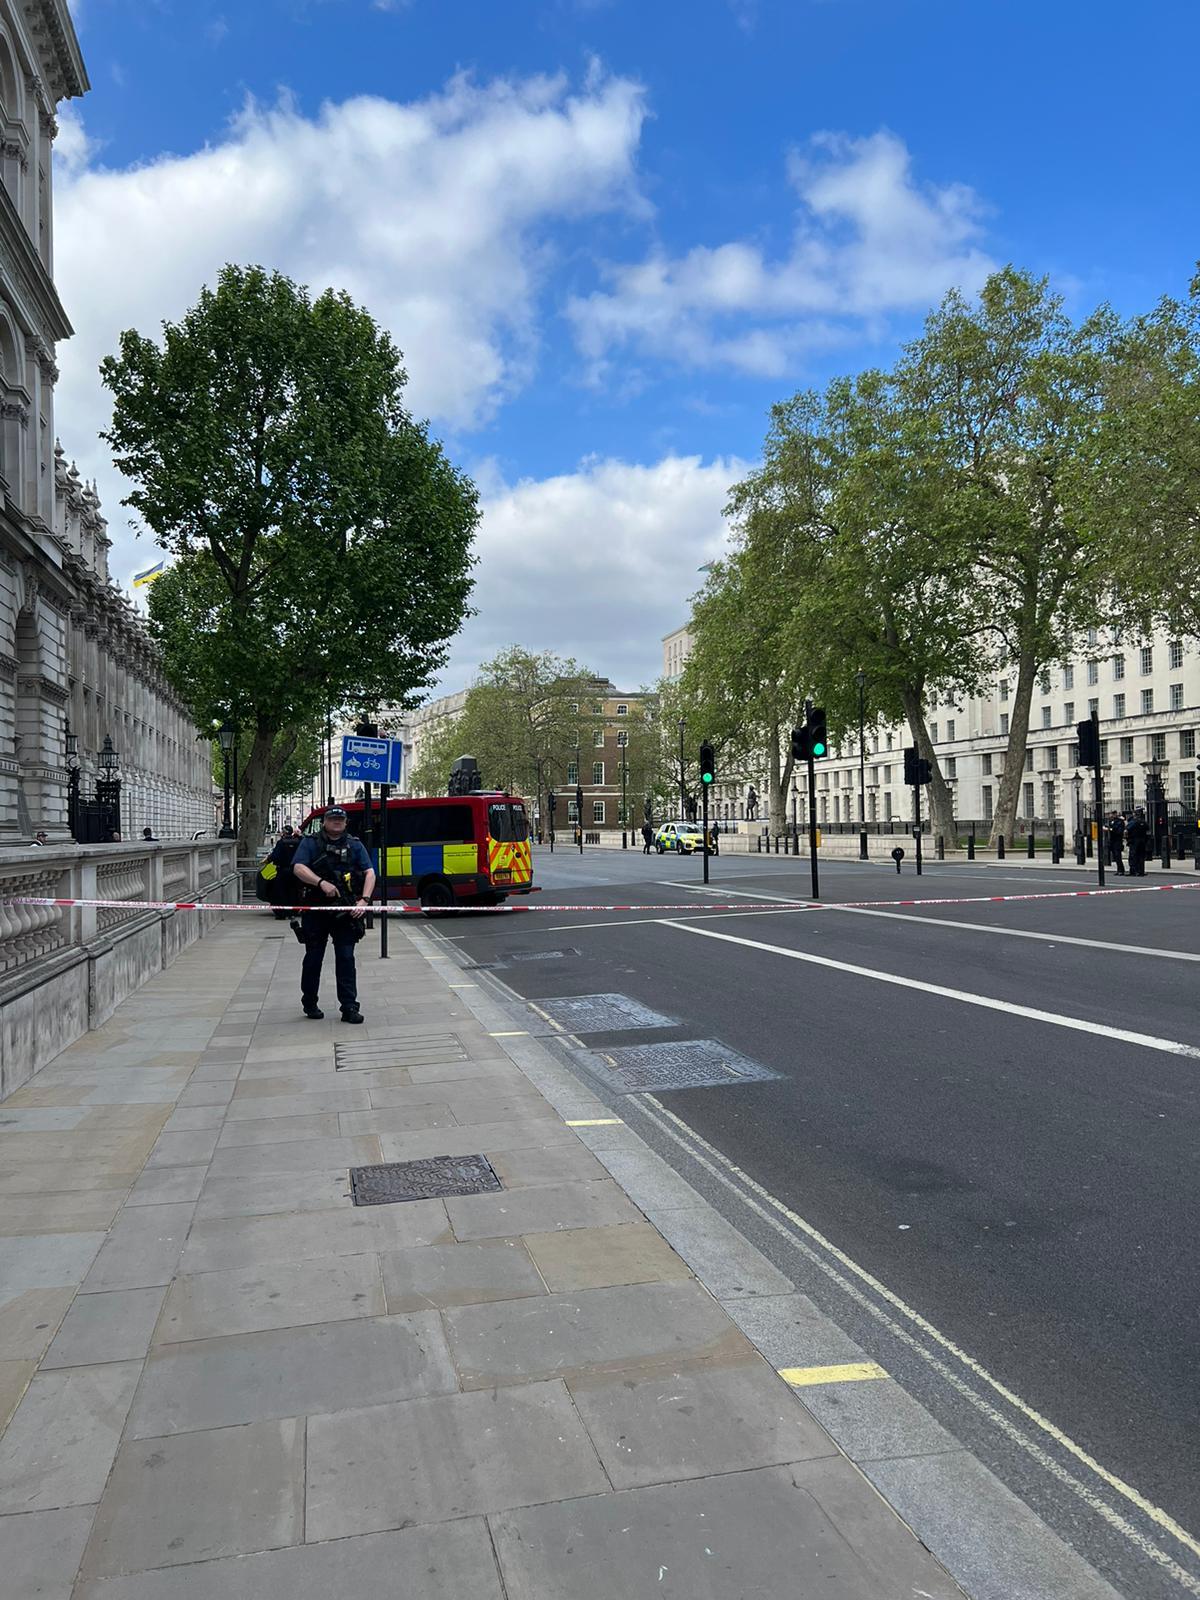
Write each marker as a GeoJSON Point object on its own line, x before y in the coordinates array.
{"type": "Point", "coordinates": [608, 235]}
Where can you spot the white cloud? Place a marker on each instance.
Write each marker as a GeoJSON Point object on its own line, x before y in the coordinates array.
{"type": "Point", "coordinates": [598, 563]}
{"type": "Point", "coordinates": [72, 149]}
{"type": "Point", "coordinates": [437, 215]}
{"type": "Point", "coordinates": [868, 240]}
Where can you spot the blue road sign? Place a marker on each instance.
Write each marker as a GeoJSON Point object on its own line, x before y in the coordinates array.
{"type": "Point", "coordinates": [371, 760]}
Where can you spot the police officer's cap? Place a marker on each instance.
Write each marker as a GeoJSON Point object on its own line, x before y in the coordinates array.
{"type": "Point", "coordinates": [336, 811]}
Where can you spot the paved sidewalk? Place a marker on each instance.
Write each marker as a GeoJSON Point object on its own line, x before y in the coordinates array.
{"type": "Point", "coordinates": [223, 1381]}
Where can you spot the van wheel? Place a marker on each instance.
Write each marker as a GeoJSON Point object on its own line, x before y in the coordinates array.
{"type": "Point", "coordinates": [435, 895]}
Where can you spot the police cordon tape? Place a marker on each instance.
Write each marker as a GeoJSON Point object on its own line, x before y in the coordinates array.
{"type": "Point", "coordinates": [407, 909]}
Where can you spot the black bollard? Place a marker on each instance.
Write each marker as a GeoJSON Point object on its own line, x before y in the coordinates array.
{"type": "Point", "coordinates": [898, 857]}
{"type": "Point", "coordinates": [1030, 846]}
{"type": "Point", "coordinates": [1080, 851]}
{"type": "Point", "coordinates": [1166, 851]}
{"type": "Point", "coordinates": [941, 847]}
{"type": "Point", "coordinates": [971, 845]}
{"type": "Point", "coordinates": [1000, 848]}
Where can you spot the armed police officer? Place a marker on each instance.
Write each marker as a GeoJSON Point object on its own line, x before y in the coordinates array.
{"type": "Point", "coordinates": [333, 866]}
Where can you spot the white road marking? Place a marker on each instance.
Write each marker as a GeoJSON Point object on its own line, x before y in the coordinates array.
{"type": "Point", "coordinates": [982, 927]}
{"type": "Point", "coordinates": [811, 1243]}
{"type": "Point", "coordinates": [1146, 1041]}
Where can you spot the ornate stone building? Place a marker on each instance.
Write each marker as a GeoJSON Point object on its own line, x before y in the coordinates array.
{"type": "Point", "coordinates": [75, 659]}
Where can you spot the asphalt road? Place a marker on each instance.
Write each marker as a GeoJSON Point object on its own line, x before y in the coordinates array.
{"type": "Point", "coordinates": [1029, 1188]}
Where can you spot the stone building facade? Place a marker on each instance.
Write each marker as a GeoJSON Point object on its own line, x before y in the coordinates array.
{"type": "Point", "coordinates": [75, 657]}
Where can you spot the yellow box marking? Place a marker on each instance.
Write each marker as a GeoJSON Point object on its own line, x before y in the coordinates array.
{"type": "Point", "coordinates": [848, 1372]}
{"type": "Point", "coordinates": [595, 1122]}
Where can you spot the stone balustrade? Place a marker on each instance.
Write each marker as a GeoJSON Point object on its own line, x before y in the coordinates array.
{"type": "Point", "coordinates": [63, 969]}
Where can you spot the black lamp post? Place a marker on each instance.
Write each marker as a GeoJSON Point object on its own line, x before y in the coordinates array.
{"type": "Point", "coordinates": [1156, 800]}
{"type": "Point", "coordinates": [108, 786]}
{"type": "Point", "coordinates": [682, 786]}
{"type": "Point", "coordinates": [624, 775]}
{"type": "Point", "coordinates": [226, 735]}
{"type": "Point", "coordinates": [860, 679]}
{"type": "Point", "coordinates": [72, 753]}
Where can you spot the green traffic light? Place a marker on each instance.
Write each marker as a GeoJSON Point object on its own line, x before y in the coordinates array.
{"type": "Point", "coordinates": [818, 749]}
{"type": "Point", "coordinates": [706, 777]}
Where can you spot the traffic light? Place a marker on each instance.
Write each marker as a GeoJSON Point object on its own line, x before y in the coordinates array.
{"type": "Point", "coordinates": [799, 744]}
{"type": "Point", "coordinates": [579, 802]}
{"type": "Point", "coordinates": [916, 769]}
{"type": "Point", "coordinates": [818, 733]}
{"type": "Point", "coordinates": [1089, 743]}
{"type": "Point", "coordinates": [552, 801]}
{"type": "Point", "coordinates": [708, 768]}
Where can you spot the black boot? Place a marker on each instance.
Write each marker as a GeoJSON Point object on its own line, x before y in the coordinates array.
{"type": "Point", "coordinates": [313, 1011]}
{"type": "Point", "coordinates": [353, 1016]}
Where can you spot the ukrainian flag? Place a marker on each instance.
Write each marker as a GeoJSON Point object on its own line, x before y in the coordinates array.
{"type": "Point", "coordinates": [141, 579]}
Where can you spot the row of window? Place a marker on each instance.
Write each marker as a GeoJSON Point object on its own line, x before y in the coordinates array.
{"type": "Point", "coordinates": [598, 710]}
{"type": "Point", "coordinates": [597, 773]}
{"type": "Point", "coordinates": [597, 812]}
{"type": "Point", "coordinates": [1050, 761]}
{"type": "Point", "coordinates": [1145, 661]}
{"type": "Point", "coordinates": [1051, 803]}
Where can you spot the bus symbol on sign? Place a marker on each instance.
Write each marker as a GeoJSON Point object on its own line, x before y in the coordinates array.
{"type": "Point", "coordinates": [371, 760]}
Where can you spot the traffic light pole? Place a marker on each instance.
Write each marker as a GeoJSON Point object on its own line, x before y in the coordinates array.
{"type": "Point", "coordinates": [917, 823]}
{"type": "Point", "coordinates": [382, 885]}
{"type": "Point", "coordinates": [812, 828]}
{"type": "Point", "coordinates": [1098, 798]}
{"type": "Point", "coordinates": [704, 825]}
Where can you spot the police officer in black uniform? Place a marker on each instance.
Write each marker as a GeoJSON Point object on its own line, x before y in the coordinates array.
{"type": "Point", "coordinates": [333, 865]}
{"type": "Point", "coordinates": [1137, 837]}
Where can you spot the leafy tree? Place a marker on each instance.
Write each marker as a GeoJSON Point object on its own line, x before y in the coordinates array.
{"type": "Point", "coordinates": [1141, 476]}
{"type": "Point", "coordinates": [1016, 393]}
{"type": "Point", "coordinates": [524, 720]}
{"type": "Point", "coordinates": [321, 538]}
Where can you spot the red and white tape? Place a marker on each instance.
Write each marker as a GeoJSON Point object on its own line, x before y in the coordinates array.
{"type": "Point", "coordinates": [405, 908]}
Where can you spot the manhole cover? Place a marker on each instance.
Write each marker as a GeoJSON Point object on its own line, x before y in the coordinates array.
{"type": "Point", "coordinates": [434, 1178]}
{"type": "Point", "coordinates": [539, 955]}
{"type": "Point", "coordinates": [602, 1013]}
{"type": "Point", "coordinates": [694, 1064]}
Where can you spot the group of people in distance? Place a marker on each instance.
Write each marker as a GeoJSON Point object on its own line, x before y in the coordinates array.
{"type": "Point", "coordinates": [1128, 829]}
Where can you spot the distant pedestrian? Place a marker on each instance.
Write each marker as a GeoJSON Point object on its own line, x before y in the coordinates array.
{"type": "Point", "coordinates": [1137, 837]}
{"type": "Point", "coordinates": [148, 836]}
{"type": "Point", "coordinates": [40, 837]}
{"type": "Point", "coordinates": [1116, 843]}
{"type": "Point", "coordinates": [114, 837]}
{"type": "Point", "coordinates": [647, 838]}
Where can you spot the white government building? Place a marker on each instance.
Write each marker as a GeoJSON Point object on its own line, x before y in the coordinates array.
{"type": "Point", "coordinates": [1147, 695]}
{"type": "Point", "coordinates": [76, 664]}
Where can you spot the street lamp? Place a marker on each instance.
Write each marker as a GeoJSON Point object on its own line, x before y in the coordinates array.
{"type": "Point", "coordinates": [624, 748]}
{"type": "Point", "coordinates": [71, 744]}
{"type": "Point", "coordinates": [860, 679]}
{"type": "Point", "coordinates": [682, 787]}
{"type": "Point", "coordinates": [1156, 799]}
{"type": "Point", "coordinates": [226, 735]}
{"type": "Point", "coordinates": [1080, 851]}
{"type": "Point", "coordinates": [108, 787]}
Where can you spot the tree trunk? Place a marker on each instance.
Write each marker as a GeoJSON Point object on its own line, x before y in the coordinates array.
{"type": "Point", "coordinates": [1014, 754]}
{"type": "Point", "coordinates": [268, 756]}
{"type": "Point", "coordinates": [776, 800]}
{"type": "Point", "coordinates": [941, 801]}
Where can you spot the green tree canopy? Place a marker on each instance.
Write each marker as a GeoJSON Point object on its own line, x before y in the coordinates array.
{"type": "Point", "coordinates": [322, 540]}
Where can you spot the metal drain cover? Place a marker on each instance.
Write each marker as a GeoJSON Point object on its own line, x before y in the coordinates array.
{"type": "Point", "coordinates": [435, 1178]}
{"type": "Point", "coordinates": [602, 1013]}
{"type": "Point", "coordinates": [401, 1051]}
{"type": "Point", "coordinates": [694, 1064]}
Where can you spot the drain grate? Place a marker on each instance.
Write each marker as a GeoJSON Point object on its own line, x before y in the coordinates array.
{"type": "Point", "coordinates": [694, 1064]}
{"type": "Point", "coordinates": [434, 1178]}
{"type": "Point", "coordinates": [403, 1050]}
{"type": "Point", "coordinates": [602, 1013]}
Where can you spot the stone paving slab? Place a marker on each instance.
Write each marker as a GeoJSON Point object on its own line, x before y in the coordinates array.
{"type": "Point", "coordinates": [41, 1552]}
{"type": "Point", "coordinates": [452, 1456]}
{"type": "Point", "coordinates": [59, 1446]}
{"type": "Point", "coordinates": [301, 1155]}
{"type": "Point", "coordinates": [448, 1561]}
{"type": "Point", "coordinates": [221, 1243]}
{"type": "Point", "coordinates": [112, 1326]}
{"type": "Point", "coordinates": [274, 1193]}
{"type": "Point", "coordinates": [198, 1496]}
{"type": "Point", "coordinates": [280, 1294]}
{"type": "Point", "coordinates": [334, 1366]}
{"type": "Point", "coordinates": [746, 1534]}
{"type": "Point", "coordinates": [540, 1209]}
{"type": "Point", "coordinates": [142, 1249]}
{"type": "Point", "coordinates": [601, 1258]}
{"type": "Point", "coordinates": [459, 1274]}
{"type": "Point", "coordinates": [652, 1325]}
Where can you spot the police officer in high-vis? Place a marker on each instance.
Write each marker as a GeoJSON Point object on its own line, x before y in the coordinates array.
{"type": "Point", "coordinates": [334, 866]}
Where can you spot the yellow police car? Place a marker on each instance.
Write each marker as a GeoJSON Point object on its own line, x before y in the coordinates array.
{"type": "Point", "coordinates": [682, 837]}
